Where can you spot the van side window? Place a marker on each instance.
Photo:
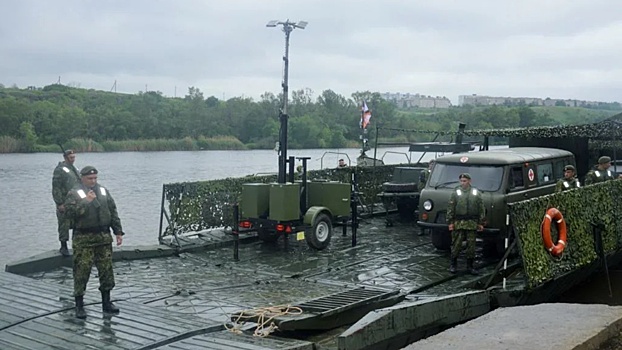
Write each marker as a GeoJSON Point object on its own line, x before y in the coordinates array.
{"type": "Point", "coordinates": [545, 173]}
{"type": "Point", "coordinates": [516, 177]}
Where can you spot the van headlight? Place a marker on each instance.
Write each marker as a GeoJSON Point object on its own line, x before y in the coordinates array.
{"type": "Point", "coordinates": [427, 205]}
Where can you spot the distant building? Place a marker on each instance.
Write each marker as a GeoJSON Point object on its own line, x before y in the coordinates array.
{"type": "Point", "coordinates": [409, 100]}
{"type": "Point", "coordinates": [480, 100]}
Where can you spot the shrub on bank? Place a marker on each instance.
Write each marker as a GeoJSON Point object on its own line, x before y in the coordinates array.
{"type": "Point", "coordinates": [10, 145]}
{"type": "Point", "coordinates": [220, 143]}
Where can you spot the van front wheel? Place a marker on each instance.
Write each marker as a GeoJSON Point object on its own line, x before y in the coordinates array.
{"type": "Point", "coordinates": [441, 239]}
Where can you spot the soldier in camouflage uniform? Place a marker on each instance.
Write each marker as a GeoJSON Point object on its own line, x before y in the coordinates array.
{"type": "Point", "coordinates": [465, 216]}
{"type": "Point", "coordinates": [601, 173]}
{"type": "Point", "coordinates": [569, 181]}
{"type": "Point", "coordinates": [65, 176]}
{"type": "Point", "coordinates": [94, 213]}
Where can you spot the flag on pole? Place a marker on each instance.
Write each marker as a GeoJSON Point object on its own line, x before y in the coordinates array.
{"type": "Point", "coordinates": [365, 115]}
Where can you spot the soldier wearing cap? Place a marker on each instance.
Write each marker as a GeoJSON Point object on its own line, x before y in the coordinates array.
{"type": "Point", "coordinates": [65, 176]}
{"type": "Point", "coordinates": [465, 216]}
{"type": "Point", "coordinates": [94, 213]}
{"type": "Point", "coordinates": [601, 173]}
{"type": "Point", "coordinates": [569, 181]}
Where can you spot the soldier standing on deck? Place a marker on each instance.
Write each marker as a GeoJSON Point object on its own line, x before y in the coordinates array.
{"type": "Point", "coordinates": [465, 216]}
{"type": "Point", "coordinates": [601, 173]}
{"type": "Point", "coordinates": [569, 181]}
{"type": "Point", "coordinates": [65, 176]}
{"type": "Point", "coordinates": [94, 213]}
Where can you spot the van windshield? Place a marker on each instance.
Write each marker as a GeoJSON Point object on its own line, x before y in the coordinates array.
{"type": "Point", "coordinates": [484, 178]}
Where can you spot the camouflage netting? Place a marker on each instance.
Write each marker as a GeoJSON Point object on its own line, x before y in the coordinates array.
{"type": "Point", "coordinates": [580, 208]}
{"type": "Point", "coordinates": [609, 129]}
{"type": "Point", "coordinates": [196, 206]}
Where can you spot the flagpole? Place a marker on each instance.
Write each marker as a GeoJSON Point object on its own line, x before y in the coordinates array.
{"type": "Point", "coordinates": [362, 127]}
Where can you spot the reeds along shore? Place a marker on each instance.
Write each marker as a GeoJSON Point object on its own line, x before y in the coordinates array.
{"type": "Point", "coordinates": [11, 145]}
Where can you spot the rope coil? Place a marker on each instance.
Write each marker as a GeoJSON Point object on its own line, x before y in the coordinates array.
{"type": "Point", "coordinates": [264, 317]}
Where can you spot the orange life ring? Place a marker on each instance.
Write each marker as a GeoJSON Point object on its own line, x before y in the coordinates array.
{"type": "Point", "coordinates": [554, 215]}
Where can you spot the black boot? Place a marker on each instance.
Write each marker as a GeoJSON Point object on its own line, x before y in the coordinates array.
{"type": "Point", "coordinates": [80, 313]}
{"type": "Point", "coordinates": [107, 305]}
{"type": "Point", "coordinates": [63, 248]}
{"type": "Point", "coordinates": [471, 268]}
{"type": "Point", "coordinates": [454, 265]}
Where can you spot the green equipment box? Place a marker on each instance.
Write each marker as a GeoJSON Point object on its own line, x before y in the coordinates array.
{"type": "Point", "coordinates": [285, 202]}
{"type": "Point", "coordinates": [333, 195]}
{"type": "Point", "coordinates": [255, 200]}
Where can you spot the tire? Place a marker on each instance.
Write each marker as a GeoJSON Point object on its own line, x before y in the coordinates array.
{"type": "Point", "coordinates": [318, 237]}
{"type": "Point", "coordinates": [441, 239]}
{"type": "Point", "coordinates": [267, 235]}
{"type": "Point", "coordinates": [399, 187]}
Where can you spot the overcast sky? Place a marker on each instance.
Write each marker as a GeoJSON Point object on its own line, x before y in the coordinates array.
{"type": "Point", "coordinates": [529, 48]}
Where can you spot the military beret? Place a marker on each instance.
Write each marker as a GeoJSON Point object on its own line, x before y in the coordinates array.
{"type": "Point", "coordinates": [88, 170]}
{"type": "Point", "coordinates": [604, 160]}
{"type": "Point", "coordinates": [465, 176]}
{"type": "Point", "coordinates": [68, 152]}
{"type": "Point", "coordinates": [569, 167]}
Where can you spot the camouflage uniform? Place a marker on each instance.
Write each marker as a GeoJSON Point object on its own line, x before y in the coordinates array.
{"type": "Point", "coordinates": [564, 184]}
{"type": "Point", "coordinates": [92, 242]}
{"type": "Point", "coordinates": [465, 211]}
{"type": "Point", "coordinates": [65, 176]}
{"type": "Point", "coordinates": [596, 176]}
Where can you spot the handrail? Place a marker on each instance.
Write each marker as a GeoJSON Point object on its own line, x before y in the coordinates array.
{"type": "Point", "coordinates": [331, 152]}
{"type": "Point", "coordinates": [395, 152]}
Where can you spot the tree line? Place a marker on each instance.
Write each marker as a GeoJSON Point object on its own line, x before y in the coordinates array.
{"type": "Point", "coordinates": [38, 119]}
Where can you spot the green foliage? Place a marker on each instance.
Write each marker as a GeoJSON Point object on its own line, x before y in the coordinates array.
{"type": "Point", "coordinates": [580, 208]}
{"type": "Point", "coordinates": [142, 121]}
{"type": "Point", "coordinates": [28, 136]}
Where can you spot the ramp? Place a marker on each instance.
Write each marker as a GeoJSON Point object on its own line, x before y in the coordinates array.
{"type": "Point", "coordinates": [329, 311]}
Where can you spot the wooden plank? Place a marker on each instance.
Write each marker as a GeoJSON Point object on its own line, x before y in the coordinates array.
{"type": "Point", "coordinates": [226, 340]}
{"type": "Point", "coordinates": [118, 336]}
{"type": "Point", "coordinates": [10, 341]}
{"type": "Point", "coordinates": [54, 341]}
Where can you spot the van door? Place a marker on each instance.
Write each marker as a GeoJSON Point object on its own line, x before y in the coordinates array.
{"type": "Point", "coordinates": [517, 183]}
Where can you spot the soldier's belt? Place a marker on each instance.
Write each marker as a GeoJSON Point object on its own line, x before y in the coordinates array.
{"type": "Point", "coordinates": [467, 217]}
{"type": "Point", "coordinates": [89, 230]}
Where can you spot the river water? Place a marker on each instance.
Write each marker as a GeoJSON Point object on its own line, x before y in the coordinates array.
{"type": "Point", "coordinates": [135, 179]}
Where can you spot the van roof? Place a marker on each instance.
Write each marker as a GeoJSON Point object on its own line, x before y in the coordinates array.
{"type": "Point", "coordinates": [513, 155]}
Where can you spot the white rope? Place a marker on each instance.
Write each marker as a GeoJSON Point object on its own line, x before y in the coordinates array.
{"type": "Point", "coordinates": [263, 316]}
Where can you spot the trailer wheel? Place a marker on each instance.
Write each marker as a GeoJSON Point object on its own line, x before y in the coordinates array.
{"type": "Point", "coordinates": [267, 235]}
{"type": "Point", "coordinates": [321, 232]}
